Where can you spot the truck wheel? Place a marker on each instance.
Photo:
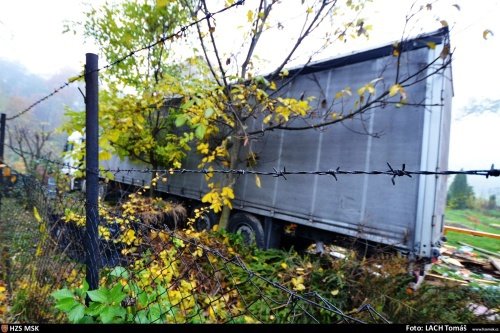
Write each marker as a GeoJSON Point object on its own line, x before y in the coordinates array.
{"type": "Point", "coordinates": [102, 190]}
{"type": "Point", "coordinates": [249, 227]}
{"type": "Point", "coordinates": [206, 221]}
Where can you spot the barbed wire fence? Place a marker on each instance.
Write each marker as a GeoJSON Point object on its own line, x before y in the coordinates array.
{"type": "Point", "coordinates": [164, 274]}
{"type": "Point", "coordinates": [167, 274]}
{"type": "Point", "coordinates": [391, 172]}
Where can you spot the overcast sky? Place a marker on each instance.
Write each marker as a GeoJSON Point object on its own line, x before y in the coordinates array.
{"type": "Point", "coordinates": [31, 34]}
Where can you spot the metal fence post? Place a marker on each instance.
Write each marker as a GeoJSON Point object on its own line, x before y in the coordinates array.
{"type": "Point", "coordinates": [5, 249]}
{"type": "Point", "coordinates": [2, 144]}
{"type": "Point", "coordinates": [2, 134]}
{"type": "Point", "coordinates": [91, 243]}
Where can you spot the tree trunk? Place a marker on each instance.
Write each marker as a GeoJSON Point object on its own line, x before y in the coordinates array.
{"type": "Point", "coordinates": [229, 181]}
{"type": "Point", "coordinates": [154, 176]}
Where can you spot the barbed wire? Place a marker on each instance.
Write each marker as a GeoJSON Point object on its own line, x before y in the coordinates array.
{"type": "Point", "coordinates": [392, 172]}
{"type": "Point", "coordinates": [281, 173]}
{"type": "Point", "coordinates": [46, 97]}
{"type": "Point", "coordinates": [132, 53]}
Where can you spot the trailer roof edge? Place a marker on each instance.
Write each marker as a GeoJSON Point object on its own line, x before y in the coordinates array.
{"type": "Point", "coordinates": [417, 42]}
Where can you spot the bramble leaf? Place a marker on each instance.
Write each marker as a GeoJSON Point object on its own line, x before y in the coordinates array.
{"type": "Point", "coordinates": [62, 293]}
{"type": "Point", "coordinates": [100, 295]}
{"type": "Point", "coordinates": [76, 313]}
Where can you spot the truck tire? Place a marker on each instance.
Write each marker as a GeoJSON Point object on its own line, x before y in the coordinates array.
{"type": "Point", "coordinates": [206, 221]}
{"type": "Point", "coordinates": [249, 227]}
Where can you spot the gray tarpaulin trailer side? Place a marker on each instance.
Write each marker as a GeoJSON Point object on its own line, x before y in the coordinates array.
{"type": "Point", "coordinates": [408, 215]}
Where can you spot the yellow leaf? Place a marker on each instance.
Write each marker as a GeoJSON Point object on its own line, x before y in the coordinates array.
{"type": "Point", "coordinates": [395, 50]}
{"type": "Point", "coordinates": [207, 197]}
{"type": "Point", "coordinates": [334, 292]}
{"type": "Point", "coordinates": [284, 265]}
{"type": "Point", "coordinates": [37, 215]}
{"type": "Point", "coordinates": [284, 73]}
{"type": "Point", "coordinates": [257, 181]}
{"type": "Point", "coordinates": [162, 3]}
{"type": "Point", "coordinates": [228, 192]}
{"type": "Point", "coordinates": [486, 33]}
{"type": "Point", "coordinates": [298, 283]}
{"type": "Point", "coordinates": [104, 155]}
{"type": "Point", "coordinates": [431, 45]}
{"type": "Point", "coordinates": [394, 89]}
{"type": "Point", "coordinates": [272, 86]}
{"type": "Point", "coordinates": [250, 16]}
{"type": "Point", "coordinates": [370, 88]}
{"type": "Point", "coordinates": [309, 10]}
{"type": "Point", "coordinates": [267, 119]}
{"type": "Point", "coordinates": [299, 287]}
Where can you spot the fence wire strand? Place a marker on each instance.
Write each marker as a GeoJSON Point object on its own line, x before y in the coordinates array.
{"type": "Point", "coordinates": [392, 172]}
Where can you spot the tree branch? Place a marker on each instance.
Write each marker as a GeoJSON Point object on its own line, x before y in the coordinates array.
{"type": "Point", "coordinates": [214, 44]}
{"type": "Point", "coordinates": [365, 107]}
{"type": "Point", "coordinates": [204, 48]}
{"type": "Point", "coordinates": [257, 33]}
{"type": "Point", "coordinates": [311, 27]}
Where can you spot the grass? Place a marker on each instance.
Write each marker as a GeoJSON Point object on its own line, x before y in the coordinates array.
{"type": "Point", "coordinates": [474, 220]}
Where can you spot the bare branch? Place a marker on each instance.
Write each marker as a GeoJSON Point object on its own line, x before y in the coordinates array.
{"type": "Point", "coordinates": [369, 104]}
{"type": "Point", "coordinates": [257, 32]}
{"type": "Point", "coordinates": [214, 44]}
{"type": "Point", "coordinates": [204, 48]}
{"type": "Point", "coordinates": [318, 18]}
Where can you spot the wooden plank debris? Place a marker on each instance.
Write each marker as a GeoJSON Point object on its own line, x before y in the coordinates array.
{"type": "Point", "coordinates": [481, 250]}
{"type": "Point", "coordinates": [471, 232]}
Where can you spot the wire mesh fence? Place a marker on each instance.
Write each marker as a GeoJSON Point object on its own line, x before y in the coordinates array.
{"type": "Point", "coordinates": [150, 269]}
{"type": "Point", "coordinates": [37, 257]}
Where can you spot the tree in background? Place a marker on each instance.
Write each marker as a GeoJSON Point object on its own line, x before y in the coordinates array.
{"type": "Point", "coordinates": [492, 202]}
{"type": "Point", "coordinates": [33, 135]}
{"type": "Point", "coordinates": [460, 193]}
{"type": "Point", "coordinates": [31, 145]}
